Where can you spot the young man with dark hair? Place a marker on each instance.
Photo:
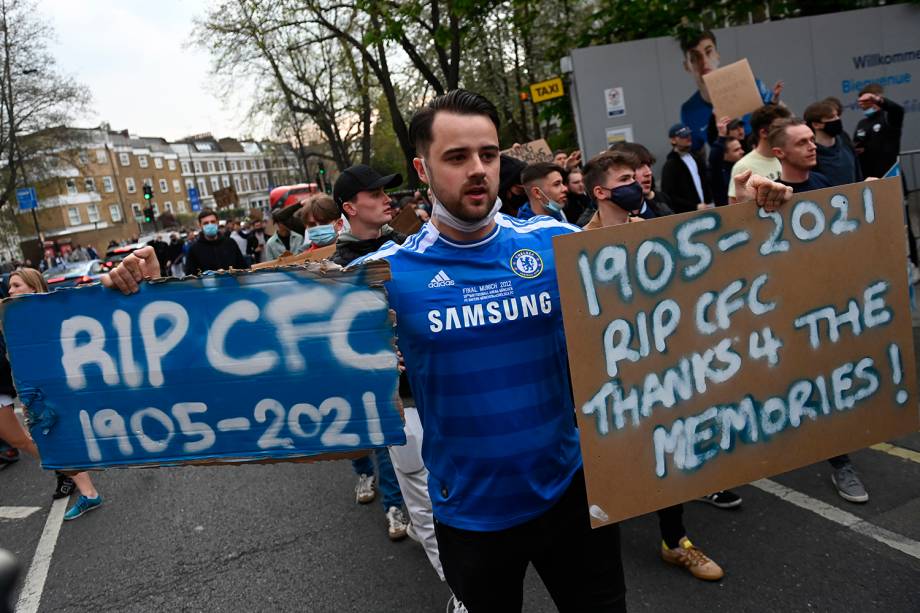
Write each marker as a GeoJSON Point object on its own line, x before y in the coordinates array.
{"type": "Point", "coordinates": [836, 160]}
{"type": "Point", "coordinates": [700, 57]}
{"type": "Point", "coordinates": [359, 194]}
{"type": "Point", "coordinates": [546, 191]}
{"type": "Point", "coordinates": [495, 432]}
{"type": "Point", "coordinates": [684, 177]}
{"type": "Point", "coordinates": [878, 135]}
{"type": "Point", "coordinates": [723, 154]}
{"type": "Point", "coordinates": [760, 160]}
{"type": "Point", "coordinates": [657, 203]}
{"type": "Point", "coordinates": [212, 251]}
{"type": "Point", "coordinates": [510, 189]}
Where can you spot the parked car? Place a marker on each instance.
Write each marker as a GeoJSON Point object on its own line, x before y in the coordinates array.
{"type": "Point", "coordinates": [71, 274]}
{"type": "Point", "coordinates": [116, 254]}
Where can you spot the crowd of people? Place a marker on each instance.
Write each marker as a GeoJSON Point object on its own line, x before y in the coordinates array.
{"type": "Point", "coordinates": [486, 501]}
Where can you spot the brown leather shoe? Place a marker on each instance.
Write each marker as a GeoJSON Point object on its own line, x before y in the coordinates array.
{"type": "Point", "coordinates": [693, 559]}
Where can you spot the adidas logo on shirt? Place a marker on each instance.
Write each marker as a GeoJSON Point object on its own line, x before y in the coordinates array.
{"type": "Point", "coordinates": [440, 280]}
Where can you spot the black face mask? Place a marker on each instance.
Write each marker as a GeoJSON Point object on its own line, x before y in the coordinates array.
{"type": "Point", "coordinates": [515, 201]}
{"type": "Point", "coordinates": [833, 128]}
{"type": "Point", "coordinates": [627, 197]}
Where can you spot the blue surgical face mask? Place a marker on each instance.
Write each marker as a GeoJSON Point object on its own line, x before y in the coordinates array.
{"type": "Point", "coordinates": [210, 230]}
{"type": "Point", "coordinates": [627, 197]}
{"type": "Point", "coordinates": [869, 112]}
{"type": "Point", "coordinates": [321, 235]}
{"type": "Point", "coordinates": [551, 204]}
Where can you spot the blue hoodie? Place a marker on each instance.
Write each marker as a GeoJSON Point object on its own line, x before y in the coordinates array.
{"type": "Point", "coordinates": [526, 212]}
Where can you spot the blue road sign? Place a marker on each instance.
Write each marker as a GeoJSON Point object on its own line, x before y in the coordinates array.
{"type": "Point", "coordinates": [194, 198]}
{"type": "Point", "coordinates": [27, 198]}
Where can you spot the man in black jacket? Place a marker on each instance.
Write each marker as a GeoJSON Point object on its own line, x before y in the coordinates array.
{"type": "Point", "coordinates": [359, 194]}
{"type": "Point", "coordinates": [683, 177]}
{"type": "Point", "coordinates": [878, 135]}
{"type": "Point", "coordinates": [212, 250]}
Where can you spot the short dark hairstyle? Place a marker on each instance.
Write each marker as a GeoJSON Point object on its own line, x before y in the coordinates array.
{"type": "Point", "coordinates": [766, 115]}
{"type": "Point", "coordinates": [206, 213]}
{"type": "Point", "coordinates": [729, 140]}
{"type": "Point", "coordinates": [836, 102]}
{"type": "Point", "coordinates": [640, 151]}
{"type": "Point", "coordinates": [459, 101]}
{"type": "Point", "coordinates": [817, 111]}
{"type": "Point", "coordinates": [559, 152]}
{"type": "Point", "coordinates": [872, 88]}
{"type": "Point", "coordinates": [691, 38]}
{"type": "Point", "coordinates": [597, 167]}
{"type": "Point", "coordinates": [539, 170]}
{"type": "Point", "coordinates": [734, 124]}
{"type": "Point", "coordinates": [778, 135]}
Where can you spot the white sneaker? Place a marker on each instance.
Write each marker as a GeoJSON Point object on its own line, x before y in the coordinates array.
{"type": "Point", "coordinates": [365, 490]}
{"type": "Point", "coordinates": [455, 606]}
{"type": "Point", "coordinates": [397, 524]}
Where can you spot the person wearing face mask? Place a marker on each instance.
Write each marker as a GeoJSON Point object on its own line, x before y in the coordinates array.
{"type": "Point", "coordinates": [656, 202]}
{"type": "Point", "coordinates": [510, 189]}
{"type": "Point", "coordinates": [322, 221]}
{"type": "Point", "coordinates": [545, 189]}
{"type": "Point", "coordinates": [878, 135]}
{"type": "Point", "coordinates": [212, 251]}
{"type": "Point", "coordinates": [836, 160]}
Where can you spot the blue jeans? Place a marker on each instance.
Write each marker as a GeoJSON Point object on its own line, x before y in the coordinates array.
{"type": "Point", "coordinates": [386, 478]}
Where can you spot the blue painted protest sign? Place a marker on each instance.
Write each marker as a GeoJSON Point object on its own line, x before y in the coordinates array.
{"type": "Point", "coordinates": [275, 364]}
{"type": "Point", "coordinates": [712, 349]}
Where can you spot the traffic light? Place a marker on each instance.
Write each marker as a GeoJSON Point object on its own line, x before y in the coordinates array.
{"type": "Point", "coordinates": [148, 192]}
{"type": "Point", "coordinates": [148, 214]}
{"type": "Point", "coordinates": [322, 169]}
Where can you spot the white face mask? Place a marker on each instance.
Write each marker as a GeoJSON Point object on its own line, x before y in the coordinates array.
{"type": "Point", "coordinates": [440, 214]}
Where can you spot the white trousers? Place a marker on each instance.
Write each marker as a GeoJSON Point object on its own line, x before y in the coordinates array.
{"type": "Point", "coordinates": [413, 483]}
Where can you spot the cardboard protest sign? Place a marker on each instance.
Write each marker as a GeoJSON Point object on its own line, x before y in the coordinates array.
{"type": "Point", "coordinates": [288, 259]}
{"type": "Point", "coordinates": [406, 222]}
{"type": "Point", "coordinates": [254, 366]}
{"type": "Point", "coordinates": [733, 90]}
{"type": "Point", "coordinates": [711, 349]}
{"type": "Point", "coordinates": [532, 152]}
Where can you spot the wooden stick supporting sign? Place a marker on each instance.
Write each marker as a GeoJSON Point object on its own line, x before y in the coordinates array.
{"type": "Point", "coordinates": [711, 349]}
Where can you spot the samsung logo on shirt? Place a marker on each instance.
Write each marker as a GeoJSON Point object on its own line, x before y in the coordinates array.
{"type": "Point", "coordinates": [492, 312]}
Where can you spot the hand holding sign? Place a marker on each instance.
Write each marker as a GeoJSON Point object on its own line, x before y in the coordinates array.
{"type": "Point", "coordinates": [766, 193]}
{"type": "Point", "coordinates": [140, 265]}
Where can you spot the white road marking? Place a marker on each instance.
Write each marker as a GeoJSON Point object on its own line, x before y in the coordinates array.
{"type": "Point", "coordinates": [17, 512]}
{"type": "Point", "coordinates": [31, 594]}
{"type": "Point", "coordinates": [841, 517]}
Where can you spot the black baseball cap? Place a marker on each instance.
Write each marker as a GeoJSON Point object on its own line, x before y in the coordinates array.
{"type": "Point", "coordinates": [361, 178]}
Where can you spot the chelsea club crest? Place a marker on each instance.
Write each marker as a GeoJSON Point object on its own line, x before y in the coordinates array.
{"type": "Point", "coordinates": [527, 264]}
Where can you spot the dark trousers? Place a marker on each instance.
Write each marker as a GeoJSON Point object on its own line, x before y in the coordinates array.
{"type": "Point", "coordinates": [671, 522]}
{"type": "Point", "coordinates": [580, 567]}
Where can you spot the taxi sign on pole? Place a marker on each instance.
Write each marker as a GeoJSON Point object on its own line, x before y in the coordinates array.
{"type": "Point", "coordinates": [546, 90]}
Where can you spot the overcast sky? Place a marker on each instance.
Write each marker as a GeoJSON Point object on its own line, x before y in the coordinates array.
{"type": "Point", "coordinates": [133, 56]}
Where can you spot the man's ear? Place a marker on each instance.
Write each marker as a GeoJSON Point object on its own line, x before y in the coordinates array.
{"type": "Point", "coordinates": [349, 208]}
{"type": "Point", "coordinates": [420, 170]}
{"type": "Point", "coordinates": [778, 153]}
{"type": "Point", "coordinates": [338, 224]}
{"type": "Point", "coordinates": [598, 192]}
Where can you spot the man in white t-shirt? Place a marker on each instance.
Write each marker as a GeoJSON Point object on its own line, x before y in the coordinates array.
{"type": "Point", "coordinates": [683, 177]}
{"type": "Point", "coordinates": [761, 159]}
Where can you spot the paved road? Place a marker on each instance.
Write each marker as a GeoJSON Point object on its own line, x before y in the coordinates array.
{"type": "Point", "coordinates": [290, 538]}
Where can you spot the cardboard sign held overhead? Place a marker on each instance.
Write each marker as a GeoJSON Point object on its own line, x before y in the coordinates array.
{"type": "Point", "coordinates": [733, 90]}
{"type": "Point", "coordinates": [256, 366]}
{"type": "Point", "coordinates": [715, 348]}
{"type": "Point", "coordinates": [532, 152]}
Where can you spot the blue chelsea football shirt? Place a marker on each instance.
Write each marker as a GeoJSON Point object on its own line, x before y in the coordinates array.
{"type": "Point", "coordinates": [480, 328]}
